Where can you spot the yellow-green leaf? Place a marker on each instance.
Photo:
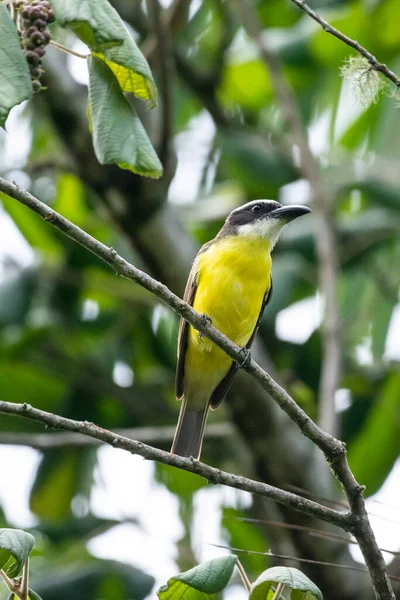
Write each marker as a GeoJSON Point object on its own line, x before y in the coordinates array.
{"type": "Point", "coordinates": [98, 24]}
{"type": "Point", "coordinates": [118, 134]}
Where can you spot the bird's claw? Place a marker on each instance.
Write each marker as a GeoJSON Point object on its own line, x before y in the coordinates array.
{"type": "Point", "coordinates": [206, 321]}
{"type": "Point", "coordinates": [245, 352]}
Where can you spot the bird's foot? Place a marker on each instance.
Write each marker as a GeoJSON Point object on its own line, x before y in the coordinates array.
{"type": "Point", "coordinates": [206, 321]}
{"type": "Point", "coordinates": [246, 354]}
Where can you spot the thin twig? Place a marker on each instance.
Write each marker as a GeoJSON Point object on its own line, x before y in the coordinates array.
{"type": "Point", "coordinates": [335, 452]}
{"type": "Point", "coordinates": [302, 560]}
{"type": "Point", "coordinates": [8, 581]}
{"type": "Point", "coordinates": [320, 497]}
{"type": "Point", "coordinates": [301, 490]}
{"type": "Point", "coordinates": [68, 50]}
{"type": "Point", "coordinates": [279, 591]}
{"type": "Point", "coordinates": [243, 575]}
{"type": "Point", "coordinates": [324, 231]}
{"type": "Point", "coordinates": [375, 64]}
{"type": "Point", "coordinates": [310, 530]}
{"type": "Point", "coordinates": [211, 474]}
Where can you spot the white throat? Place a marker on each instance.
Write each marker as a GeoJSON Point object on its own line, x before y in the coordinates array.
{"type": "Point", "coordinates": [267, 229]}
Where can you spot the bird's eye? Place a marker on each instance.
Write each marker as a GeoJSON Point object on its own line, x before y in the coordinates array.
{"type": "Point", "coordinates": [256, 208]}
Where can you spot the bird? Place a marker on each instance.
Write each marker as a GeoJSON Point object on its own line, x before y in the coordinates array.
{"type": "Point", "coordinates": [229, 284]}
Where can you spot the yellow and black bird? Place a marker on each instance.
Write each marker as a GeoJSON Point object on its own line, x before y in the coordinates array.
{"type": "Point", "coordinates": [230, 282]}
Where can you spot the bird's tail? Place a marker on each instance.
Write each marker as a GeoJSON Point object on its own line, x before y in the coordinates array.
{"type": "Point", "coordinates": [189, 432]}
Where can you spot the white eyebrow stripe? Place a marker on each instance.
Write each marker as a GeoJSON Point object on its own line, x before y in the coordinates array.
{"type": "Point", "coordinates": [254, 202]}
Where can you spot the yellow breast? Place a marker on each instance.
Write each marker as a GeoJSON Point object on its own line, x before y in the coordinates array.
{"type": "Point", "coordinates": [233, 276]}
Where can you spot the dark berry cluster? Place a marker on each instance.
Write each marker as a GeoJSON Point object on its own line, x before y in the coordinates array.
{"type": "Point", "coordinates": [35, 35]}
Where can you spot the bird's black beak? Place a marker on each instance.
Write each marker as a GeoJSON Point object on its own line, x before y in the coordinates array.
{"type": "Point", "coordinates": [290, 212]}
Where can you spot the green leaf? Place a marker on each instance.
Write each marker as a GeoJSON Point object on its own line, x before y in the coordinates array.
{"type": "Point", "coordinates": [15, 80]}
{"type": "Point", "coordinates": [303, 587]}
{"type": "Point", "coordinates": [98, 24]}
{"type": "Point", "coordinates": [31, 596]}
{"type": "Point", "coordinates": [15, 547]}
{"type": "Point", "coordinates": [374, 452]}
{"type": "Point", "coordinates": [202, 581]}
{"type": "Point", "coordinates": [118, 135]}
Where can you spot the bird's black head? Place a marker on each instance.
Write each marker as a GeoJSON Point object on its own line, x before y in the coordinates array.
{"type": "Point", "coordinates": [261, 218]}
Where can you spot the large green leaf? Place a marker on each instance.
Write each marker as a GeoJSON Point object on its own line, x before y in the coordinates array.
{"type": "Point", "coordinates": [373, 453]}
{"type": "Point", "coordinates": [118, 135]}
{"type": "Point", "coordinates": [201, 582]}
{"type": "Point", "coordinates": [15, 80]}
{"type": "Point", "coordinates": [98, 24]}
{"type": "Point", "coordinates": [302, 587]}
{"type": "Point", "coordinates": [15, 548]}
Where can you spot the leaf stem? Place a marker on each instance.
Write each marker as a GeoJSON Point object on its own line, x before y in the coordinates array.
{"type": "Point", "coordinates": [24, 585]}
{"type": "Point", "coordinates": [9, 582]}
{"type": "Point", "coordinates": [68, 50]}
{"type": "Point", "coordinates": [243, 575]}
{"type": "Point", "coordinates": [280, 588]}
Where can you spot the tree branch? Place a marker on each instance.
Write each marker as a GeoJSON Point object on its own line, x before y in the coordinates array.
{"type": "Point", "coordinates": [213, 475]}
{"type": "Point", "coordinates": [375, 64]}
{"type": "Point", "coordinates": [324, 233]}
{"type": "Point", "coordinates": [335, 452]}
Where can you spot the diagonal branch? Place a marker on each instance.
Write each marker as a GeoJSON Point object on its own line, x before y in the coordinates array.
{"type": "Point", "coordinates": [374, 62]}
{"type": "Point", "coordinates": [355, 522]}
{"type": "Point", "coordinates": [213, 475]}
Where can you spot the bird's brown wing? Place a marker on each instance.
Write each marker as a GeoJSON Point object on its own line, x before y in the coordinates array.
{"type": "Point", "coordinates": [189, 295]}
{"type": "Point", "coordinates": [222, 388]}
